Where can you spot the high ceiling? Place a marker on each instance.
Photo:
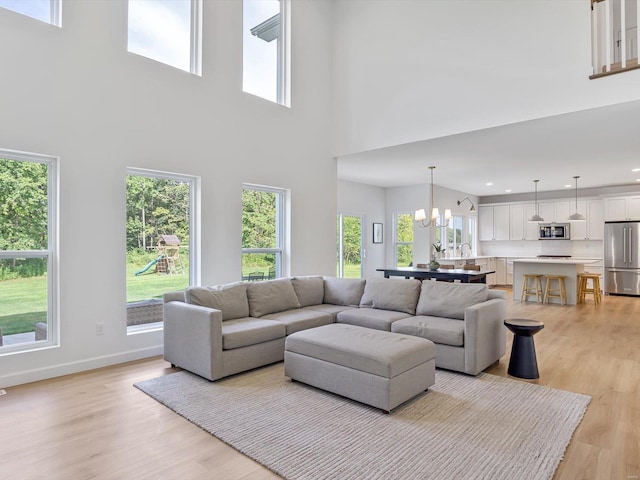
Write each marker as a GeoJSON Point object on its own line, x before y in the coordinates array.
{"type": "Point", "coordinates": [600, 145]}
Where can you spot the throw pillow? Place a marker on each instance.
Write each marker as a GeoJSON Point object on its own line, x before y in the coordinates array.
{"type": "Point", "coordinates": [310, 290]}
{"type": "Point", "coordinates": [271, 296]}
{"type": "Point", "coordinates": [230, 298]}
{"type": "Point", "coordinates": [399, 295]}
{"type": "Point", "coordinates": [443, 299]}
{"type": "Point", "coordinates": [343, 291]}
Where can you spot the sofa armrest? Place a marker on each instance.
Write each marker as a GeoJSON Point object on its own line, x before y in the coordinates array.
{"type": "Point", "coordinates": [485, 337]}
{"type": "Point", "coordinates": [193, 338]}
{"type": "Point", "coordinates": [177, 296]}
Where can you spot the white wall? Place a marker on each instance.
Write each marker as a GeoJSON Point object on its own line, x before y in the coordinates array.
{"type": "Point", "coordinates": [360, 199]}
{"type": "Point", "coordinates": [409, 70]}
{"type": "Point", "coordinates": [76, 93]}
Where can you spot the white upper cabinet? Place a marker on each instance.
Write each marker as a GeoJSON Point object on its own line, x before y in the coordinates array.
{"type": "Point", "coordinates": [593, 227]}
{"type": "Point", "coordinates": [561, 211]}
{"type": "Point", "coordinates": [493, 222]}
{"type": "Point", "coordinates": [516, 222]}
{"type": "Point", "coordinates": [624, 208]}
{"type": "Point", "coordinates": [511, 221]}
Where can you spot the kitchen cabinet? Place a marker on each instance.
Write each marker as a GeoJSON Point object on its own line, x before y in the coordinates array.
{"type": "Point", "coordinates": [493, 222]}
{"type": "Point", "coordinates": [516, 222]}
{"type": "Point", "coordinates": [593, 227]}
{"type": "Point", "coordinates": [501, 271]}
{"type": "Point", "coordinates": [623, 208]}
{"type": "Point", "coordinates": [488, 264]}
{"type": "Point", "coordinates": [562, 211]}
{"type": "Point", "coordinates": [531, 229]}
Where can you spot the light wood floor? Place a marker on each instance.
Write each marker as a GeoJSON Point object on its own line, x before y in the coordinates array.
{"type": "Point", "coordinates": [95, 425]}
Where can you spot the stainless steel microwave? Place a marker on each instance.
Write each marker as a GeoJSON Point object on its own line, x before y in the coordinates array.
{"type": "Point", "coordinates": [553, 231]}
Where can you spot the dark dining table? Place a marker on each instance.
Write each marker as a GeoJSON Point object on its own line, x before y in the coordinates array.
{"type": "Point", "coordinates": [465, 276]}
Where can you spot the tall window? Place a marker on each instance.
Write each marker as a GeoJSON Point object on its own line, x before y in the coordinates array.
{"type": "Point", "coordinates": [168, 31]}
{"type": "Point", "coordinates": [263, 233]}
{"type": "Point", "coordinates": [350, 246]}
{"type": "Point", "coordinates": [28, 264]}
{"type": "Point", "coordinates": [403, 239]}
{"type": "Point", "coordinates": [161, 242]}
{"type": "Point", "coordinates": [266, 49]}
{"type": "Point", "coordinates": [44, 10]}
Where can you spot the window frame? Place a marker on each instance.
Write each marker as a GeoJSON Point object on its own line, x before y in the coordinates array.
{"type": "Point", "coordinates": [55, 13]}
{"type": "Point", "coordinates": [283, 60]}
{"type": "Point", "coordinates": [51, 253]}
{"type": "Point", "coordinates": [282, 228]}
{"type": "Point", "coordinates": [469, 222]}
{"type": "Point", "coordinates": [195, 40]}
{"type": "Point", "coordinates": [194, 231]}
{"type": "Point", "coordinates": [397, 243]}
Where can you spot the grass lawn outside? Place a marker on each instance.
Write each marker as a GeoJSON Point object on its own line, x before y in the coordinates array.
{"type": "Point", "coordinates": [23, 301]}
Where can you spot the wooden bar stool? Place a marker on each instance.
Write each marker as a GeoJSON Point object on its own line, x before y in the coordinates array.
{"type": "Point", "coordinates": [535, 289]}
{"type": "Point", "coordinates": [555, 292]}
{"type": "Point", "coordinates": [583, 287]}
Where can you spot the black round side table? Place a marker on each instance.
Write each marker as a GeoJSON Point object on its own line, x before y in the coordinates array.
{"type": "Point", "coordinates": [523, 363]}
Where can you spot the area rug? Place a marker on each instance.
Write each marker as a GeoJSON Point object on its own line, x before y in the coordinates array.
{"type": "Point", "coordinates": [484, 427]}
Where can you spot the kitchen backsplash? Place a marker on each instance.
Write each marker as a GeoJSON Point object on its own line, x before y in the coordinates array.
{"type": "Point", "coordinates": [527, 248]}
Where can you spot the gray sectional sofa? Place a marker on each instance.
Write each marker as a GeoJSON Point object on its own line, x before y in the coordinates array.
{"type": "Point", "coordinates": [219, 331]}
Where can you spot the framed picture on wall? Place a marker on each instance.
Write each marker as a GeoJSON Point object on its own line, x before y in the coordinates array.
{"type": "Point", "coordinates": [377, 233]}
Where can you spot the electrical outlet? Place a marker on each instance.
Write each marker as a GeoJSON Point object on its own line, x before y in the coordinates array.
{"type": "Point", "coordinates": [99, 328]}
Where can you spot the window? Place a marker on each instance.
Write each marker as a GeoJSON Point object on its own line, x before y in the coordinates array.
{"type": "Point", "coordinates": [350, 242]}
{"type": "Point", "coordinates": [28, 255]}
{"type": "Point", "coordinates": [161, 242]}
{"type": "Point", "coordinates": [458, 237]}
{"type": "Point", "coordinates": [264, 233]}
{"type": "Point", "coordinates": [265, 49]}
{"type": "Point", "coordinates": [44, 10]}
{"type": "Point", "coordinates": [168, 31]}
{"type": "Point", "coordinates": [403, 239]}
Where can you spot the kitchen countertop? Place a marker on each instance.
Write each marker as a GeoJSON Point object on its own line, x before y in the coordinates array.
{"type": "Point", "coordinates": [563, 261]}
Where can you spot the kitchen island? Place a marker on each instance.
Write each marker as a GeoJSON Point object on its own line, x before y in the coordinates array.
{"type": "Point", "coordinates": [569, 267]}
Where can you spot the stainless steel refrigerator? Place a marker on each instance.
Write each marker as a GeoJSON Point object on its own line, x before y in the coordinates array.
{"type": "Point", "coordinates": [622, 257]}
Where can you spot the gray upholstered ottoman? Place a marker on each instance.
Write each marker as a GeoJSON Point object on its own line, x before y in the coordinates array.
{"type": "Point", "coordinates": [379, 368]}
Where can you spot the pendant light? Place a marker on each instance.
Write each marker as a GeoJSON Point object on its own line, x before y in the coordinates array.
{"type": "Point", "coordinates": [420, 215]}
{"type": "Point", "coordinates": [536, 217]}
{"type": "Point", "coordinates": [576, 217]}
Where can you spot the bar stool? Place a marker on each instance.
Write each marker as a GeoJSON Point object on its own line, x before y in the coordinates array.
{"type": "Point", "coordinates": [535, 289]}
{"type": "Point", "coordinates": [555, 292]}
{"type": "Point", "coordinates": [583, 287]}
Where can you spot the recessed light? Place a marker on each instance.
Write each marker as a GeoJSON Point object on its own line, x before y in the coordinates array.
{"type": "Point", "coordinates": [508, 190]}
{"type": "Point", "coordinates": [637, 179]}
{"type": "Point", "coordinates": [489, 184]}
{"type": "Point", "coordinates": [568, 186]}
{"type": "Point", "coordinates": [635, 169]}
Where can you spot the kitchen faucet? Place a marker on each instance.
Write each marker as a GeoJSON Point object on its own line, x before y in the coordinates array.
{"type": "Point", "coordinates": [462, 249]}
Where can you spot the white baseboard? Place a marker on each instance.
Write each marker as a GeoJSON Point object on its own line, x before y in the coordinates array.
{"type": "Point", "coordinates": [53, 371]}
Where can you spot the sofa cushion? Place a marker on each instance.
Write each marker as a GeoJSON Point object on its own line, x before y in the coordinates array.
{"type": "Point", "coordinates": [329, 308]}
{"type": "Point", "coordinates": [370, 318]}
{"type": "Point", "coordinates": [399, 295]}
{"type": "Point", "coordinates": [296, 320]}
{"type": "Point", "coordinates": [231, 299]}
{"type": "Point", "coordinates": [378, 353]}
{"type": "Point", "coordinates": [443, 299]}
{"type": "Point", "coordinates": [243, 332]}
{"type": "Point", "coordinates": [343, 291]}
{"type": "Point", "coordinates": [310, 290]}
{"type": "Point", "coordinates": [271, 296]}
{"type": "Point", "coordinates": [445, 331]}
